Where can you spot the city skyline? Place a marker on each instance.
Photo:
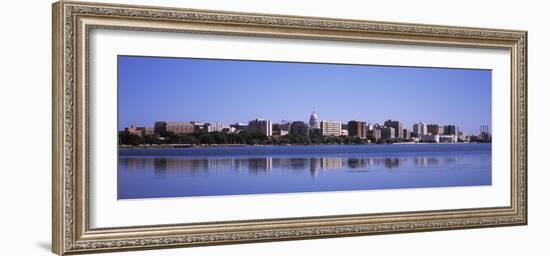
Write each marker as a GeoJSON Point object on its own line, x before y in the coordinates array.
{"type": "Point", "coordinates": [229, 91]}
{"type": "Point", "coordinates": [482, 128]}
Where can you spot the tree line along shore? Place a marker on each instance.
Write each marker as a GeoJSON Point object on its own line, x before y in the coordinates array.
{"type": "Point", "coordinates": [203, 138]}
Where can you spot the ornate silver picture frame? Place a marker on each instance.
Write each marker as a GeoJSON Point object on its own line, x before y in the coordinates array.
{"type": "Point", "coordinates": [72, 24]}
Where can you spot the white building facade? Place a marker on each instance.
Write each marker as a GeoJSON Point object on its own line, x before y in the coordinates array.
{"type": "Point", "coordinates": [331, 128]}
{"type": "Point", "coordinates": [420, 129]}
{"type": "Point", "coordinates": [217, 127]}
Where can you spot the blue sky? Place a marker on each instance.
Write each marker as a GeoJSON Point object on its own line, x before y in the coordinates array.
{"type": "Point", "coordinates": [182, 89]}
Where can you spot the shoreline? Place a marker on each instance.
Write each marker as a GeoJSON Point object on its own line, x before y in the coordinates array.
{"type": "Point", "coordinates": [183, 146]}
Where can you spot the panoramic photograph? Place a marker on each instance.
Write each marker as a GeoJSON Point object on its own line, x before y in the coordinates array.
{"type": "Point", "coordinates": [192, 127]}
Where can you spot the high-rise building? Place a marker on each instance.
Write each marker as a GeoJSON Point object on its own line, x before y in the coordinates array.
{"type": "Point", "coordinates": [484, 135]}
{"type": "Point", "coordinates": [357, 128]}
{"type": "Point", "coordinates": [387, 133]}
{"type": "Point", "coordinates": [299, 128]}
{"type": "Point", "coordinates": [370, 127]}
{"type": "Point", "coordinates": [435, 129]}
{"type": "Point", "coordinates": [314, 121]}
{"type": "Point", "coordinates": [331, 128]}
{"type": "Point", "coordinates": [484, 129]}
{"type": "Point", "coordinates": [261, 126]}
{"type": "Point", "coordinates": [173, 127]}
{"type": "Point", "coordinates": [373, 130]}
{"type": "Point", "coordinates": [397, 126]}
{"type": "Point", "coordinates": [450, 129]}
{"type": "Point", "coordinates": [375, 133]}
{"type": "Point", "coordinates": [420, 129]}
{"type": "Point", "coordinates": [406, 134]}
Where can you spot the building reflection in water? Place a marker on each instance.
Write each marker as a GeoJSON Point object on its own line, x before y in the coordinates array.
{"type": "Point", "coordinates": [392, 163]}
{"type": "Point", "coordinates": [358, 163]}
{"type": "Point", "coordinates": [262, 165]}
{"type": "Point", "coordinates": [259, 165]}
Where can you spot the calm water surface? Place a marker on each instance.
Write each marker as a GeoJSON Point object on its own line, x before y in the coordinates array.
{"type": "Point", "coordinates": [152, 173]}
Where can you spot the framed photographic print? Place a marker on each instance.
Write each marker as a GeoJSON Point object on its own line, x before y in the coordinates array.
{"type": "Point", "coordinates": [179, 127]}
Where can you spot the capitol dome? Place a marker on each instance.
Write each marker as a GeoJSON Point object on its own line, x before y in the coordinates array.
{"type": "Point", "coordinates": [314, 120]}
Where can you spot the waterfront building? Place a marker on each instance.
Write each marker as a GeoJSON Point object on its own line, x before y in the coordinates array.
{"type": "Point", "coordinates": [280, 130]}
{"type": "Point", "coordinates": [285, 126]}
{"type": "Point", "coordinates": [299, 128]}
{"type": "Point", "coordinates": [357, 128]}
{"type": "Point", "coordinates": [420, 129]}
{"type": "Point", "coordinates": [344, 132]}
{"type": "Point", "coordinates": [314, 121]}
{"type": "Point", "coordinates": [484, 134]}
{"type": "Point", "coordinates": [387, 133]}
{"type": "Point", "coordinates": [162, 127]}
{"type": "Point", "coordinates": [199, 125]}
{"type": "Point", "coordinates": [282, 126]}
{"type": "Point", "coordinates": [278, 133]}
{"type": "Point", "coordinates": [375, 133]}
{"type": "Point", "coordinates": [370, 127]}
{"type": "Point", "coordinates": [473, 138]}
{"type": "Point", "coordinates": [450, 129]}
{"type": "Point", "coordinates": [217, 127]}
{"type": "Point", "coordinates": [331, 128]}
{"type": "Point", "coordinates": [430, 138]}
{"type": "Point", "coordinates": [406, 134]}
{"type": "Point", "coordinates": [435, 129]}
{"type": "Point", "coordinates": [180, 128]}
{"type": "Point", "coordinates": [135, 130]}
{"type": "Point", "coordinates": [261, 126]}
{"type": "Point", "coordinates": [448, 138]}
{"type": "Point", "coordinates": [148, 131]}
{"type": "Point", "coordinates": [397, 126]}
{"type": "Point", "coordinates": [461, 136]}
{"type": "Point", "coordinates": [239, 127]}
{"type": "Point", "coordinates": [484, 129]}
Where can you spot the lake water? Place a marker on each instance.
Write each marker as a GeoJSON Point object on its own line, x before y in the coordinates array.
{"type": "Point", "coordinates": [182, 172]}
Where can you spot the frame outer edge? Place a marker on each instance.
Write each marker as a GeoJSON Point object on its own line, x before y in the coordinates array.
{"type": "Point", "coordinates": [57, 130]}
{"type": "Point", "coordinates": [525, 107]}
{"type": "Point", "coordinates": [65, 239]}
